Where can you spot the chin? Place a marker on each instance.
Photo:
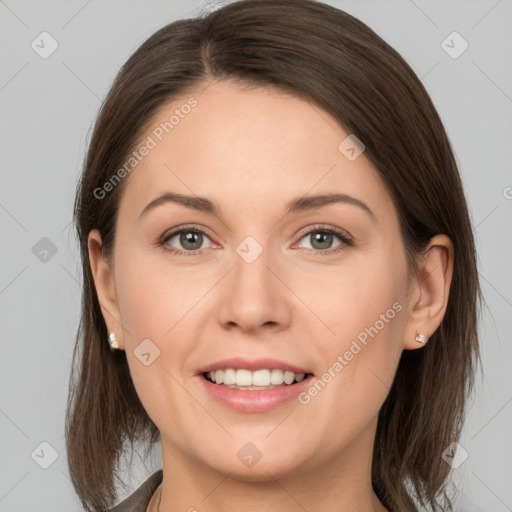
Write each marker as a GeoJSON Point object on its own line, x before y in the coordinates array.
{"type": "Point", "coordinates": [259, 470]}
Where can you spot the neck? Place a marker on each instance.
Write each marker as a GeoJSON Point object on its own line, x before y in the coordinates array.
{"type": "Point", "coordinates": [339, 482]}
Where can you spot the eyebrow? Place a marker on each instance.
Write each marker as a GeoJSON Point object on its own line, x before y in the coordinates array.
{"type": "Point", "coordinates": [294, 206]}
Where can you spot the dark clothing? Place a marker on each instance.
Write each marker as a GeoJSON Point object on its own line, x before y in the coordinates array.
{"type": "Point", "coordinates": [139, 500]}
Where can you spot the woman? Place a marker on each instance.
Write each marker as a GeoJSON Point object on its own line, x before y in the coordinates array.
{"type": "Point", "coordinates": [276, 244]}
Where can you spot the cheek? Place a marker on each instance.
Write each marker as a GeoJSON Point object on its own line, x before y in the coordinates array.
{"type": "Point", "coordinates": [158, 314]}
{"type": "Point", "coordinates": [362, 299]}
{"type": "Point", "coordinates": [365, 310]}
{"type": "Point", "coordinates": [153, 297]}
{"type": "Point", "coordinates": [358, 372]}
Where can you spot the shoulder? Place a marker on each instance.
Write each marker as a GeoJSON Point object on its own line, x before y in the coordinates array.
{"type": "Point", "coordinates": [138, 501]}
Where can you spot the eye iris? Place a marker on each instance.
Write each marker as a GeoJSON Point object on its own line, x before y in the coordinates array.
{"type": "Point", "coordinates": [322, 237]}
{"type": "Point", "coordinates": [191, 237]}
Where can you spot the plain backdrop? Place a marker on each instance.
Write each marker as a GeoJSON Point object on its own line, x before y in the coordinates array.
{"type": "Point", "coordinates": [47, 106]}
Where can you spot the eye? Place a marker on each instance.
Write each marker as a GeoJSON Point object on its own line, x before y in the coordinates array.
{"type": "Point", "coordinates": [321, 239]}
{"type": "Point", "coordinates": [190, 239]}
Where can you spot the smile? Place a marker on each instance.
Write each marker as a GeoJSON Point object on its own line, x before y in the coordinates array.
{"type": "Point", "coordinates": [254, 380]}
{"type": "Point", "coordinates": [251, 398]}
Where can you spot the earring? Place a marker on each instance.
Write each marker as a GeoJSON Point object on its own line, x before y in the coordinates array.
{"type": "Point", "coordinates": [112, 341]}
{"type": "Point", "coordinates": [420, 337]}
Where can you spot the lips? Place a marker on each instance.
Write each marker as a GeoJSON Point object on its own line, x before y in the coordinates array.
{"type": "Point", "coordinates": [273, 383]}
{"type": "Point", "coordinates": [252, 400]}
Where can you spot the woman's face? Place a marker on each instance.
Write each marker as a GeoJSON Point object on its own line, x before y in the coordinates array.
{"type": "Point", "coordinates": [261, 280]}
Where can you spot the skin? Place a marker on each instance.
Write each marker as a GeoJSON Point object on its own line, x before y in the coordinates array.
{"type": "Point", "coordinates": [251, 150]}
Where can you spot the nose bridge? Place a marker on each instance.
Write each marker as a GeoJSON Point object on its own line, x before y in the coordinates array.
{"type": "Point", "coordinates": [254, 296]}
{"type": "Point", "coordinates": [252, 277]}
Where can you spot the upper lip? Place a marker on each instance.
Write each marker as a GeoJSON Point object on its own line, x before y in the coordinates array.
{"type": "Point", "coordinates": [253, 365]}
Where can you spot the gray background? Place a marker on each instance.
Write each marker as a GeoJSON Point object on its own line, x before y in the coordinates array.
{"type": "Point", "coordinates": [47, 107]}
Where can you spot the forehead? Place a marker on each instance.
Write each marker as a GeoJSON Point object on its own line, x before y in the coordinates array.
{"type": "Point", "coordinates": [247, 147]}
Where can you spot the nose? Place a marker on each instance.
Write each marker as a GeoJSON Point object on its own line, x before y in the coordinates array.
{"type": "Point", "coordinates": [253, 295]}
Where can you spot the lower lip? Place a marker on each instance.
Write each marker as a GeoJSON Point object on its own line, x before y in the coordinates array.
{"type": "Point", "coordinates": [255, 400]}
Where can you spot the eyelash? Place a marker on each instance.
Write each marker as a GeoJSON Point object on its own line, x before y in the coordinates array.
{"type": "Point", "coordinates": [342, 235]}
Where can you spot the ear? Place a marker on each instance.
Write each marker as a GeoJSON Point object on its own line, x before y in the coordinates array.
{"type": "Point", "coordinates": [104, 283]}
{"type": "Point", "coordinates": [429, 291]}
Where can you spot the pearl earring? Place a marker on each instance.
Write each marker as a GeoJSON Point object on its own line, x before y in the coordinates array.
{"type": "Point", "coordinates": [420, 337]}
{"type": "Point", "coordinates": [112, 341]}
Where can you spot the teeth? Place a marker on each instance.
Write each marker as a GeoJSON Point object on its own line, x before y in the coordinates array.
{"type": "Point", "coordinates": [259, 378]}
{"type": "Point", "coordinates": [242, 378]}
{"type": "Point", "coordinates": [230, 376]}
{"type": "Point", "coordinates": [276, 377]}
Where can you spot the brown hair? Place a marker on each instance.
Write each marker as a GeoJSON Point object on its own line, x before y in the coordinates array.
{"type": "Point", "coordinates": [321, 54]}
